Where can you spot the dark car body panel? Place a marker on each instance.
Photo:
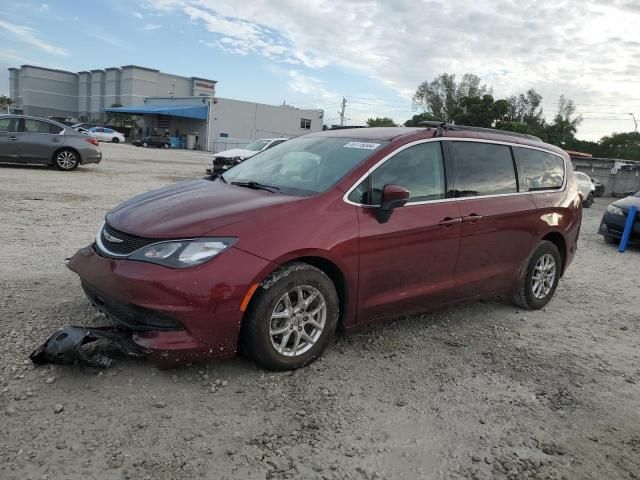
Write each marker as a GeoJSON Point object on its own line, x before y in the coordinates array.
{"type": "Point", "coordinates": [612, 225]}
{"type": "Point", "coordinates": [411, 263]}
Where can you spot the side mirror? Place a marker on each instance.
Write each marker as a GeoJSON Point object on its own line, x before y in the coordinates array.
{"type": "Point", "coordinates": [393, 196]}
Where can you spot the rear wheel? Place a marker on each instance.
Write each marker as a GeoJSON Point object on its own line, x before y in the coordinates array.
{"type": "Point", "coordinates": [292, 318]}
{"type": "Point", "coordinates": [66, 159]}
{"type": "Point", "coordinates": [115, 140]}
{"type": "Point", "coordinates": [541, 278]}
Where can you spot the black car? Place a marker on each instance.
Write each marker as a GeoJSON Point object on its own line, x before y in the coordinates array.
{"type": "Point", "coordinates": [615, 217]}
{"type": "Point", "coordinates": [152, 141]}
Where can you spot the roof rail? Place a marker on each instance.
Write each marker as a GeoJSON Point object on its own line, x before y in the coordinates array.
{"type": "Point", "coordinates": [443, 127]}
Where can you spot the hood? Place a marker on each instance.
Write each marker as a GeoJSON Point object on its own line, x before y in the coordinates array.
{"type": "Point", "coordinates": [235, 152]}
{"type": "Point", "coordinates": [627, 202]}
{"type": "Point", "coordinates": [191, 209]}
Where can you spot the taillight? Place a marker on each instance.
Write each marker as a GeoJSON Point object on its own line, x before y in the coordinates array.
{"type": "Point", "coordinates": [92, 141]}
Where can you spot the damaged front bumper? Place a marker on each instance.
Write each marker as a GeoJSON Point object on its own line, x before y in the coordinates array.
{"type": "Point", "coordinates": [71, 346]}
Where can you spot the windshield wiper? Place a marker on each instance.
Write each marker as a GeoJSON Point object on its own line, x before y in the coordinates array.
{"type": "Point", "coordinates": [257, 186]}
{"type": "Point", "coordinates": [221, 177]}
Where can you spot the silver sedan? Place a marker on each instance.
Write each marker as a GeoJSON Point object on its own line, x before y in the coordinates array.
{"type": "Point", "coordinates": [25, 139]}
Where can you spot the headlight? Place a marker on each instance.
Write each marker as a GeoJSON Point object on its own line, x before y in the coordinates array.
{"type": "Point", "coordinates": [182, 253]}
{"type": "Point", "coordinates": [613, 210]}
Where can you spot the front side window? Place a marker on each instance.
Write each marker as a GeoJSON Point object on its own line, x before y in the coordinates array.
{"type": "Point", "coordinates": [538, 170]}
{"type": "Point", "coordinates": [419, 169]}
{"type": "Point", "coordinates": [306, 165]}
{"type": "Point", "coordinates": [483, 169]}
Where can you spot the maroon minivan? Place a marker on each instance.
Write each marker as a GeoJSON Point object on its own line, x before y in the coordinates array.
{"type": "Point", "coordinates": [333, 230]}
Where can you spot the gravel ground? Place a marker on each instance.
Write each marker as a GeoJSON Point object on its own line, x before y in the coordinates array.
{"type": "Point", "coordinates": [478, 391]}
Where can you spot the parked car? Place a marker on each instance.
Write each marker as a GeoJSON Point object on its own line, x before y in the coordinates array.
{"type": "Point", "coordinates": [25, 139]}
{"type": "Point", "coordinates": [615, 217]}
{"type": "Point", "coordinates": [330, 230]}
{"type": "Point", "coordinates": [152, 141]}
{"type": "Point", "coordinates": [599, 187]}
{"type": "Point", "coordinates": [105, 134]}
{"type": "Point", "coordinates": [226, 159]}
{"type": "Point", "coordinates": [586, 187]}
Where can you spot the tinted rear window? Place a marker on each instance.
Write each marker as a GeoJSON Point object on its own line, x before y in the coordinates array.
{"type": "Point", "coordinates": [538, 170]}
{"type": "Point", "coordinates": [483, 169]}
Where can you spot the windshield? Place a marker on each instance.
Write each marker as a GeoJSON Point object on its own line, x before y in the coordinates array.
{"type": "Point", "coordinates": [257, 146]}
{"type": "Point", "coordinates": [304, 166]}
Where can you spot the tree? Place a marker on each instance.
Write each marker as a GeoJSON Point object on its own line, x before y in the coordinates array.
{"type": "Point", "coordinates": [565, 124]}
{"type": "Point", "coordinates": [526, 108]}
{"type": "Point", "coordinates": [381, 122]}
{"type": "Point", "coordinates": [480, 111]}
{"type": "Point", "coordinates": [5, 103]}
{"type": "Point", "coordinates": [421, 117]}
{"type": "Point", "coordinates": [441, 96]}
{"type": "Point", "coordinates": [620, 145]}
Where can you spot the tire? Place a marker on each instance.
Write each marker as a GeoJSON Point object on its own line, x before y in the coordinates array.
{"type": "Point", "coordinates": [589, 201]}
{"type": "Point", "coordinates": [526, 296]}
{"type": "Point", "coordinates": [115, 140]}
{"type": "Point", "coordinates": [271, 337]}
{"type": "Point", "coordinates": [610, 240]}
{"type": "Point", "coordinates": [66, 159]}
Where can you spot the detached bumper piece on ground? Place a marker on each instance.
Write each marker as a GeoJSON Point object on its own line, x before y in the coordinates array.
{"type": "Point", "coordinates": [75, 345]}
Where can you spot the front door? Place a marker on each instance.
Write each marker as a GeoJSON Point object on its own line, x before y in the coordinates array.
{"type": "Point", "coordinates": [407, 263]}
{"type": "Point", "coordinates": [497, 227]}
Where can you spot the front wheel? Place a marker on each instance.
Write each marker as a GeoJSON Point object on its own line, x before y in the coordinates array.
{"type": "Point", "coordinates": [291, 319]}
{"type": "Point", "coordinates": [541, 278]}
{"type": "Point", "coordinates": [66, 159]}
{"type": "Point", "coordinates": [115, 140]}
{"type": "Point", "coordinates": [589, 201]}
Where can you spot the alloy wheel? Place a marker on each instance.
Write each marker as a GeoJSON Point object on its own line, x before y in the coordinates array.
{"type": "Point", "coordinates": [66, 160]}
{"type": "Point", "coordinates": [297, 321]}
{"type": "Point", "coordinates": [544, 276]}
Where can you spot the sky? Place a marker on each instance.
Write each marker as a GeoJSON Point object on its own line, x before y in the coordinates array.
{"type": "Point", "coordinates": [311, 54]}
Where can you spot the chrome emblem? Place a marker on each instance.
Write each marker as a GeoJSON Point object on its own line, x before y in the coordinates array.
{"type": "Point", "coordinates": [111, 238]}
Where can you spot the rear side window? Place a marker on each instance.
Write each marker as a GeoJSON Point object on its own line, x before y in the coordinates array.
{"type": "Point", "coordinates": [419, 169]}
{"type": "Point", "coordinates": [8, 124]}
{"type": "Point", "coordinates": [55, 129]}
{"type": "Point", "coordinates": [483, 169]}
{"type": "Point", "coordinates": [37, 126]}
{"type": "Point", "coordinates": [538, 170]}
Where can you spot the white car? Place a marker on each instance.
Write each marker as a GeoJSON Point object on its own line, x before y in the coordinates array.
{"type": "Point", "coordinates": [226, 159]}
{"type": "Point", "coordinates": [586, 187]}
{"type": "Point", "coordinates": [105, 134]}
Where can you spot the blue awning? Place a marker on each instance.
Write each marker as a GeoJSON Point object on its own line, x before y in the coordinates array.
{"type": "Point", "coordinates": [188, 111]}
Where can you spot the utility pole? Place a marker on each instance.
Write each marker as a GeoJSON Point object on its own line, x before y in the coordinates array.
{"type": "Point", "coordinates": [634, 121]}
{"type": "Point", "coordinates": [341, 112]}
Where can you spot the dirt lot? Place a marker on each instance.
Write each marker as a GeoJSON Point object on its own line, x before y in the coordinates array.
{"type": "Point", "coordinates": [478, 391]}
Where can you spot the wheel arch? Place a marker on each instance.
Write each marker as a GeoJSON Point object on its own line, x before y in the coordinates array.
{"type": "Point", "coordinates": [560, 242]}
{"type": "Point", "coordinates": [57, 151]}
{"type": "Point", "coordinates": [328, 267]}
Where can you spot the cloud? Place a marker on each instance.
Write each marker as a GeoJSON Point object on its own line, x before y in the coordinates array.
{"type": "Point", "coordinates": [137, 15]}
{"type": "Point", "coordinates": [307, 85]}
{"type": "Point", "coordinates": [151, 26]}
{"type": "Point", "coordinates": [27, 35]}
{"type": "Point", "coordinates": [99, 33]}
{"type": "Point", "coordinates": [576, 47]}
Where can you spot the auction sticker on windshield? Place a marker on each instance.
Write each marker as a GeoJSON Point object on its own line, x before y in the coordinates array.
{"type": "Point", "coordinates": [362, 145]}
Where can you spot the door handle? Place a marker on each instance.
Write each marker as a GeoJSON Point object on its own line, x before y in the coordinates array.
{"type": "Point", "coordinates": [56, 139]}
{"type": "Point", "coordinates": [448, 222]}
{"type": "Point", "coordinates": [473, 218]}
{"type": "Point", "coordinates": [13, 138]}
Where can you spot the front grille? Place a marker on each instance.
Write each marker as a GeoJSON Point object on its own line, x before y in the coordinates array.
{"type": "Point", "coordinates": [130, 316]}
{"type": "Point", "coordinates": [130, 243]}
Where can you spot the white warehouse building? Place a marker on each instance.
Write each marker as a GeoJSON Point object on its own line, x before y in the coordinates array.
{"type": "Point", "coordinates": [162, 104]}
